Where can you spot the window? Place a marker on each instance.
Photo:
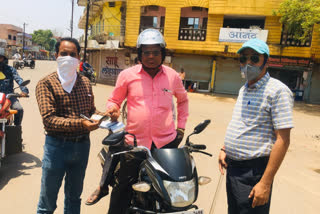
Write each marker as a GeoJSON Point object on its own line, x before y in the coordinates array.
{"type": "Point", "coordinates": [152, 16]}
{"type": "Point", "coordinates": [193, 24]}
{"type": "Point", "coordinates": [112, 4]}
{"type": "Point", "coordinates": [9, 37]}
{"type": "Point", "coordinates": [243, 22]}
{"type": "Point", "coordinates": [155, 21]}
{"type": "Point", "coordinates": [14, 38]}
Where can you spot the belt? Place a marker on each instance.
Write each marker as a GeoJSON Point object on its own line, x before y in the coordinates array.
{"type": "Point", "coordinates": [75, 139]}
{"type": "Point", "coordinates": [256, 162]}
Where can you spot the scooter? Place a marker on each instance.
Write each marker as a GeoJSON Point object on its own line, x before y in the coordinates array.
{"type": "Point", "coordinates": [29, 63]}
{"type": "Point", "coordinates": [168, 181]}
{"type": "Point", "coordinates": [7, 118]}
{"type": "Point", "coordinates": [18, 64]}
{"type": "Point", "coordinates": [89, 73]}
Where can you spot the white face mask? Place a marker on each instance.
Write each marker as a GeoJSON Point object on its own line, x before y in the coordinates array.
{"type": "Point", "coordinates": [67, 71]}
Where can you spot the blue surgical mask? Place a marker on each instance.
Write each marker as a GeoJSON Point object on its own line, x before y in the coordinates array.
{"type": "Point", "coordinates": [250, 72]}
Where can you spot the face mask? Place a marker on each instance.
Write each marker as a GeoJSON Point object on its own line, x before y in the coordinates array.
{"type": "Point", "coordinates": [67, 71]}
{"type": "Point", "coordinates": [250, 72]}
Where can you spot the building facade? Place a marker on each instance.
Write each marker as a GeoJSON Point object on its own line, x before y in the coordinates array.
{"type": "Point", "coordinates": [203, 37]}
{"type": "Point", "coordinates": [10, 34]}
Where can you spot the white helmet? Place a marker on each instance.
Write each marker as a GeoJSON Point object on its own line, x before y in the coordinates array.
{"type": "Point", "coordinates": [3, 52]}
{"type": "Point", "coordinates": [151, 37]}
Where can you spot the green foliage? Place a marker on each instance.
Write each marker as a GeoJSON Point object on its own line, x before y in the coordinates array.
{"type": "Point", "coordinates": [43, 38]}
{"type": "Point", "coordinates": [299, 16]}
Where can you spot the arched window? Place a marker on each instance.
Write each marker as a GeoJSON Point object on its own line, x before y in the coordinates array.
{"type": "Point", "coordinates": [193, 23]}
{"type": "Point", "coordinates": [152, 16]}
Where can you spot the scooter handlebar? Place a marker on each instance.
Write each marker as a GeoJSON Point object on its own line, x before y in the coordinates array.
{"type": "Point", "coordinates": [199, 146]}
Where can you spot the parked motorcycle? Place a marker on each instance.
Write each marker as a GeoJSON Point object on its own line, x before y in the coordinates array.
{"type": "Point", "coordinates": [87, 71]}
{"type": "Point", "coordinates": [168, 181]}
{"type": "Point", "coordinates": [6, 121]}
{"type": "Point", "coordinates": [18, 64]}
{"type": "Point", "coordinates": [29, 63]}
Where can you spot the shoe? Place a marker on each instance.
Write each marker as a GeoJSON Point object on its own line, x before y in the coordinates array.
{"type": "Point", "coordinates": [96, 196]}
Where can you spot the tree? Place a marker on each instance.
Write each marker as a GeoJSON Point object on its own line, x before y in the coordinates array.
{"type": "Point", "coordinates": [43, 38]}
{"type": "Point", "coordinates": [298, 17]}
{"type": "Point", "coordinates": [52, 44]}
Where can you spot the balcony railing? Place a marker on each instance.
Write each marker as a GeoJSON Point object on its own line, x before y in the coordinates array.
{"type": "Point", "coordinates": [192, 34]}
{"type": "Point", "coordinates": [288, 40]}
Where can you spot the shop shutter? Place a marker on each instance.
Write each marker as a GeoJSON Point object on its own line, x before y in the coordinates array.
{"type": "Point", "coordinates": [315, 86]}
{"type": "Point", "coordinates": [228, 79]}
{"type": "Point", "coordinates": [197, 68]}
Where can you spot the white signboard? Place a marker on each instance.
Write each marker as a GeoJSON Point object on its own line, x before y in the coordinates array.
{"type": "Point", "coordinates": [112, 64]}
{"type": "Point", "coordinates": [241, 35]}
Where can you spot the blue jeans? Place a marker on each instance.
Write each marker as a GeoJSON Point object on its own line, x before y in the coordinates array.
{"type": "Point", "coordinates": [61, 159]}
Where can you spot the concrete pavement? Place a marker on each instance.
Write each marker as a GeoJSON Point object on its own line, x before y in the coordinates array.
{"type": "Point", "coordinates": [296, 187]}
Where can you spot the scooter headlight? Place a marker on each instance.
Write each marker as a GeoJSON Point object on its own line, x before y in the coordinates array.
{"type": "Point", "coordinates": [181, 194]}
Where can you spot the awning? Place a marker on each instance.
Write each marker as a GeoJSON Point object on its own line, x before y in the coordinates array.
{"type": "Point", "coordinates": [44, 51]}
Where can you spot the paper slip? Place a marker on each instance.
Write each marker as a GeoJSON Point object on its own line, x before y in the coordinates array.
{"type": "Point", "coordinates": [112, 126]}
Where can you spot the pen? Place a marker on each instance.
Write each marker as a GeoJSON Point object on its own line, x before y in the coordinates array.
{"type": "Point", "coordinates": [85, 117]}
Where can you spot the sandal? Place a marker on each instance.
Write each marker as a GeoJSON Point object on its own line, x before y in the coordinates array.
{"type": "Point", "coordinates": [96, 196]}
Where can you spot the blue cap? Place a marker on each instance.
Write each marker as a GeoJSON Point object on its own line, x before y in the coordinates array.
{"type": "Point", "coordinates": [256, 44]}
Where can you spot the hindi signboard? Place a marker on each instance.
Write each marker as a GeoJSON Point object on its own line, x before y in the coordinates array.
{"type": "Point", "coordinates": [241, 35]}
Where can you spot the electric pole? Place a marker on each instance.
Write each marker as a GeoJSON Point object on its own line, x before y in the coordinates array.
{"type": "Point", "coordinates": [71, 24]}
{"type": "Point", "coordinates": [24, 30]}
{"type": "Point", "coordinates": [86, 33]}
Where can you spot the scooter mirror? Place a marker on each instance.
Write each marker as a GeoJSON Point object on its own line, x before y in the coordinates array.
{"type": "Point", "coordinates": [24, 83]}
{"type": "Point", "coordinates": [199, 128]}
{"type": "Point", "coordinates": [114, 138]}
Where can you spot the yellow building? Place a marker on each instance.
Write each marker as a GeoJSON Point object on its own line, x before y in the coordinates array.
{"type": "Point", "coordinates": [106, 30]}
{"type": "Point", "coordinates": [203, 36]}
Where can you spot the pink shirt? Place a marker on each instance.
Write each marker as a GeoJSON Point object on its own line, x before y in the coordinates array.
{"type": "Point", "coordinates": [149, 104]}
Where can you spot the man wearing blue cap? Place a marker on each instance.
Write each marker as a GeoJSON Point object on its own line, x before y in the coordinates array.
{"type": "Point", "coordinates": [258, 135]}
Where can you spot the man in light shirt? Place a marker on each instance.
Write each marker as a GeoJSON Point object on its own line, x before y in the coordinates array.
{"type": "Point", "coordinates": [149, 88]}
{"type": "Point", "coordinates": [258, 135]}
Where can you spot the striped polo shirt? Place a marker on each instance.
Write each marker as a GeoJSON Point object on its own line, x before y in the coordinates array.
{"type": "Point", "coordinates": [264, 107]}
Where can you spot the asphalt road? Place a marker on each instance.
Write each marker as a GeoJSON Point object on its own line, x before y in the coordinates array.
{"type": "Point", "coordinates": [296, 187]}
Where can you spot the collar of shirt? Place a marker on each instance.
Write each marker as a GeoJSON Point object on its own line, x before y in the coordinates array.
{"type": "Point", "coordinates": [159, 72]}
{"type": "Point", "coordinates": [260, 83]}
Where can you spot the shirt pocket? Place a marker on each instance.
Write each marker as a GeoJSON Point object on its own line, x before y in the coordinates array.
{"type": "Point", "coordinates": [165, 100]}
{"type": "Point", "coordinates": [257, 113]}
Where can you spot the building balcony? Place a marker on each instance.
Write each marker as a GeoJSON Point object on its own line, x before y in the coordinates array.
{"type": "Point", "coordinates": [192, 34]}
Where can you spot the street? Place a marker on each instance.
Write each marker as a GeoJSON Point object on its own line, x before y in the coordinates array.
{"type": "Point", "coordinates": [296, 188]}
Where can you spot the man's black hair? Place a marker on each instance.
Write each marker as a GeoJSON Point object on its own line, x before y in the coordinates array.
{"type": "Point", "coordinates": [163, 54]}
{"type": "Point", "coordinates": [69, 39]}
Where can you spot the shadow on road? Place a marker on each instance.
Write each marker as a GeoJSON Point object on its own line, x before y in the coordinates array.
{"type": "Point", "coordinates": [16, 165]}
{"type": "Point", "coordinates": [310, 109]}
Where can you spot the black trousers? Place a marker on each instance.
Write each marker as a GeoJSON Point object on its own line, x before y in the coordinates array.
{"type": "Point", "coordinates": [125, 177]}
{"type": "Point", "coordinates": [242, 176]}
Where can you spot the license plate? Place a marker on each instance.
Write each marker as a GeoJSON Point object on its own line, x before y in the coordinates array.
{"type": "Point", "coordinates": [188, 212]}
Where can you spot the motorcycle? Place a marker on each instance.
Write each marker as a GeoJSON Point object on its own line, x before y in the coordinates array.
{"type": "Point", "coordinates": [6, 119]}
{"type": "Point", "coordinates": [29, 63]}
{"type": "Point", "coordinates": [168, 181]}
{"type": "Point", "coordinates": [18, 64]}
{"type": "Point", "coordinates": [88, 72]}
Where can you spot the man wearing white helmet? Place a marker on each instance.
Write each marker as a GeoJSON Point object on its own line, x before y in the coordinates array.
{"type": "Point", "coordinates": [149, 88]}
{"type": "Point", "coordinates": [6, 85]}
